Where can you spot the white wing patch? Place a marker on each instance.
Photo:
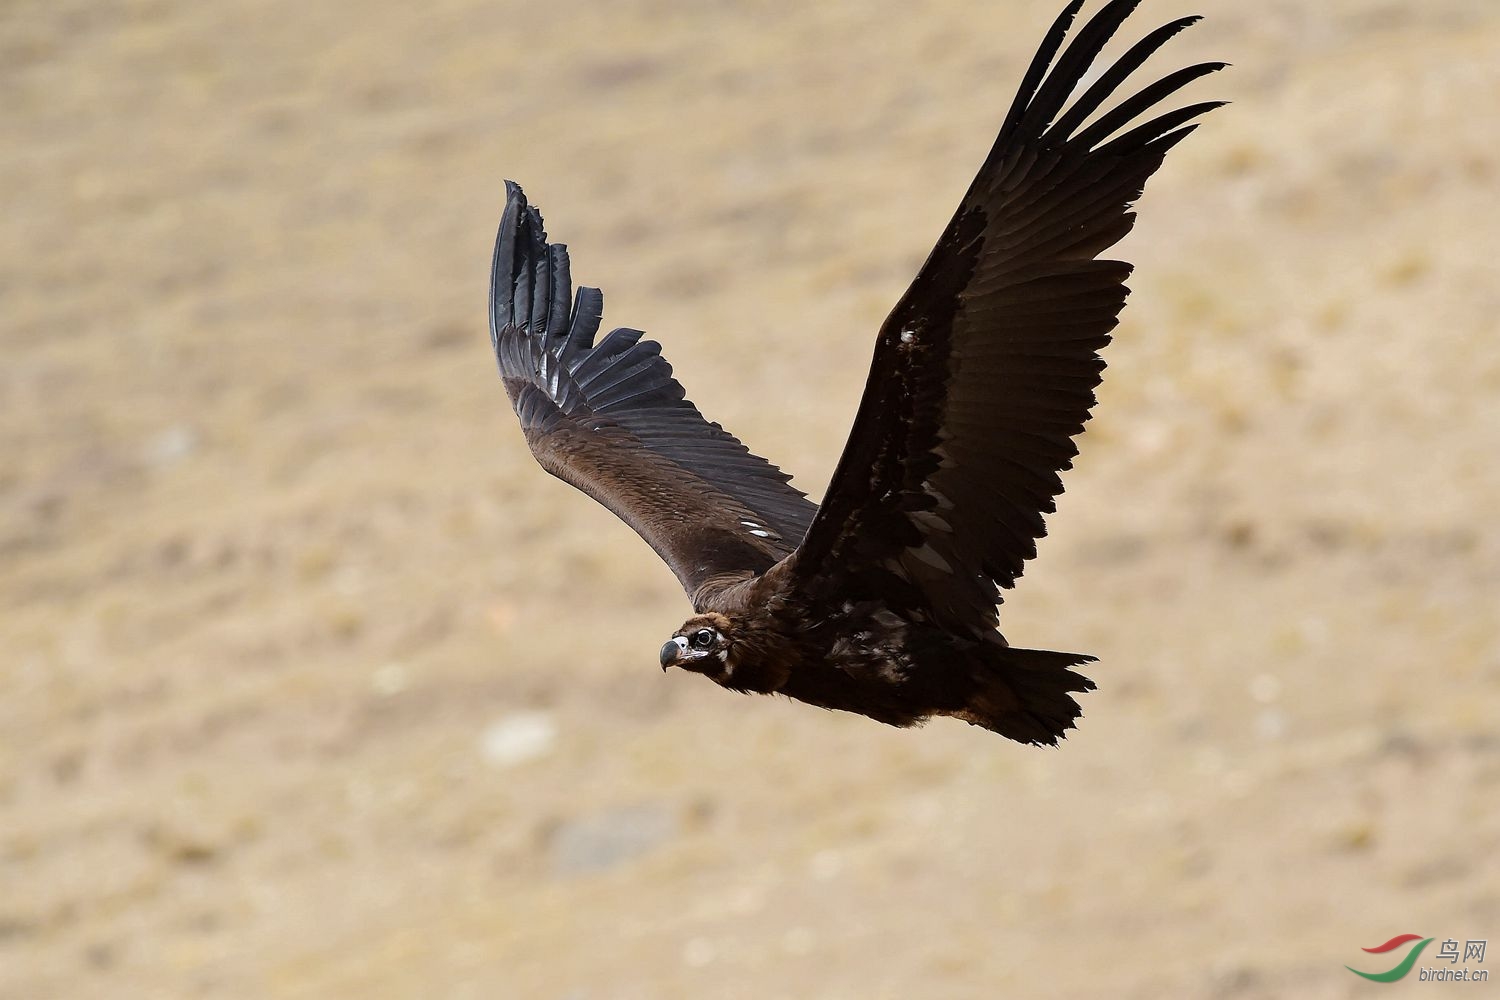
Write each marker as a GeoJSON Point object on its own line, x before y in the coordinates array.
{"type": "Point", "coordinates": [756, 529]}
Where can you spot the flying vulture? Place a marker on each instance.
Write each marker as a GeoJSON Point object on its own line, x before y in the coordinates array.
{"type": "Point", "coordinates": [883, 599]}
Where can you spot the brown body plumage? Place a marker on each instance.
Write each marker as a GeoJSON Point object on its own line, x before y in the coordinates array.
{"type": "Point", "coordinates": [861, 656]}
{"type": "Point", "coordinates": [881, 601]}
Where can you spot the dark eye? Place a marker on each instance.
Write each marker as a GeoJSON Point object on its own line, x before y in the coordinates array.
{"type": "Point", "coordinates": [703, 638]}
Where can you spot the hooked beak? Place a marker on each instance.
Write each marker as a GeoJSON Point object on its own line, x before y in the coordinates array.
{"type": "Point", "coordinates": [672, 652]}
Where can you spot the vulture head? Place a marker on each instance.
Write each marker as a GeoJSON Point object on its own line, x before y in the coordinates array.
{"type": "Point", "coordinates": [702, 645]}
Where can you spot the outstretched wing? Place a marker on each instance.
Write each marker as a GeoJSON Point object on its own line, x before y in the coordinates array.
{"type": "Point", "coordinates": [985, 370]}
{"type": "Point", "coordinates": [610, 419]}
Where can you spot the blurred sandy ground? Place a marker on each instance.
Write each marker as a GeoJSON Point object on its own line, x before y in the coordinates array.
{"type": "Point", "coordinates": [314, 686]}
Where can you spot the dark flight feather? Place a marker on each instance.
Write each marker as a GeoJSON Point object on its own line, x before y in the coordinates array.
{"type": "Point", "coordinates": [882, 601]}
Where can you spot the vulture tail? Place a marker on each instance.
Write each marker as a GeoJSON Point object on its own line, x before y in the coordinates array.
{"type": "Point", "coordinates": [1026, 694]}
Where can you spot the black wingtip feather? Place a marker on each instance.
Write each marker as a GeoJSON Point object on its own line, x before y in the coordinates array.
{"type": "Point", "coordinates": [502, 287]}
{"type": "Point", "coordinates": [1073, 64]}
{"type": "Point", "coordinates": [562, 288]}
{"type": "Point", "coordinates": [1037, 71]}
{"type": "Point", "coordinates": [520, 297]}
{"type": "Point", "coordinates": [588, 312]}
{"type": "Point", "coordinates": [1038, 112]}
{"type": "Point", "coordinates": [1147, 135]}
{"type": "Point", "coordinates": [1131, 107]}
{"type": "Point", "coordinates": [532, 312]}
{"type": "Point", "coordinates": [530, 283]}
{"type": "Point", "coordinates": [1116, 74]}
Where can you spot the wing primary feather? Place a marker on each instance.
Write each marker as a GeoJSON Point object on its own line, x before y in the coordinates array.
{"type": "Point", "coordinates": [502, 288]}
{"type": "Point", "coordinates": [1171, 139]}
{"type": "Point", "coordinates": [1116, 74]}
{"type": "Point", "coordinates": [562, 285]}
{"type": "Point", "coordinates": [1074, 62]}
{"type": "Point", "coordinates": [521, 293]}
{"type": "Point", "coordinates": [588, 312]}
{"type": "Point", "coordinates": [1147, 136]}
{"type": "Point", "coordinates": [539, 263]}
{"type": "Point", "coordinates": [541, 288]}
{"type": "Point", "coordinates": [1037, 71]}
{"type": "Point", "coordinates": [1131, 107]}
{"type": "Point", "coordinates": [535, 318]}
